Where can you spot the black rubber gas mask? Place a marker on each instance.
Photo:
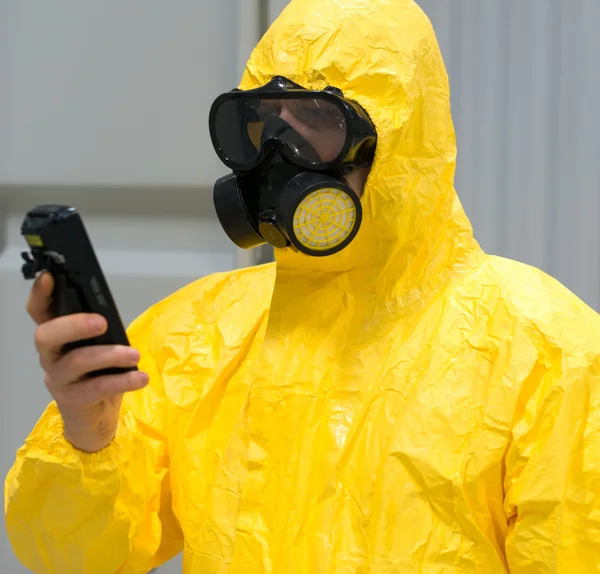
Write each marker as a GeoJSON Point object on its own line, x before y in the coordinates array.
{"type": "Point", "coordinates": [289, 150]}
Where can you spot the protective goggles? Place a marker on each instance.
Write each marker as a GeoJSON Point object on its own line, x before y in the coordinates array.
{"type": "Point", "coordinates": [317, 130]}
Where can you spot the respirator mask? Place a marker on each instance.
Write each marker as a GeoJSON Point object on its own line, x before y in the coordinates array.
{"type": "Point", "coordinates": [289, 149]}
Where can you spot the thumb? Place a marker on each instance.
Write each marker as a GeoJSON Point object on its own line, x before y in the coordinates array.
{"type": "Point", "coordinates": [40, 298]}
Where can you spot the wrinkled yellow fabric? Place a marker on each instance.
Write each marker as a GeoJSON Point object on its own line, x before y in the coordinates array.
{"type": "Point", "coordinates": [410, 404]}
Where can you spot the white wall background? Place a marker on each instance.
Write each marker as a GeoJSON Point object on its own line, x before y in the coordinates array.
{"type": "Point", "coordinates": [104, 106]}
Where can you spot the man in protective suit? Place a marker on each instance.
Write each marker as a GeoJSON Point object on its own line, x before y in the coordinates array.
{"type": "Point", "coordinates": [384, 398]}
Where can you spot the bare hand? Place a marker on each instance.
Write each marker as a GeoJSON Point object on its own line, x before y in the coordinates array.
{"type": "Point", "coordinates": [89, 408]}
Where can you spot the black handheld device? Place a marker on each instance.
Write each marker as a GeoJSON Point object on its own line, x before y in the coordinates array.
{"type": "Point", "coordinates": [59, 243]}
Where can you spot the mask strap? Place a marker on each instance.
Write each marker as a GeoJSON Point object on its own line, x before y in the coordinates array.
{"type": "Point", "coordinates": [350, 167]}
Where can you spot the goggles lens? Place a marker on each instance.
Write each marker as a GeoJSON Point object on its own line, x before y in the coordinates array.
{"type": "Point", "coordinates": [311, 128]}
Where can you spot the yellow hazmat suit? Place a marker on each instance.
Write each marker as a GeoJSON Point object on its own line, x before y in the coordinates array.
{"type": "Point", "coordinates": [410, 404]}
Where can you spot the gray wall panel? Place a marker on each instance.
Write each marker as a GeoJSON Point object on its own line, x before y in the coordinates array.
{"type": "Point", "coordinates": [524, 78]}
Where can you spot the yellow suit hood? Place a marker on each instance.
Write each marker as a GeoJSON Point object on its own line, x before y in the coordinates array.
{"type": "Point", "coordinates": [409, 404]}
{"type": "Point", "coordinates": [383, 55]}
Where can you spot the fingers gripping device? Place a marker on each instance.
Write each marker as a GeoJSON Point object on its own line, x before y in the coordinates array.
{"type": "Point", "coordinates": [59, 244]}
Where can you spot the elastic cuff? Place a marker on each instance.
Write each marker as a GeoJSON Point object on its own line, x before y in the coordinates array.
{"type": "Point", "coordinates": [51, 442]}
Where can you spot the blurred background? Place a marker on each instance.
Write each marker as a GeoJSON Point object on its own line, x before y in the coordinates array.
{"type": "Point", "coordinates": [104, 105]}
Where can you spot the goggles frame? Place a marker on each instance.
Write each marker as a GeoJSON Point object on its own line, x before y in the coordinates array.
{"type": "Point", "coordinates": [360, 139]}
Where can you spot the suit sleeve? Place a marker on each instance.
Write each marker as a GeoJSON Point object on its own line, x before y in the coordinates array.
{"type": "Point", "coordinates": [110, 511]}
{"type": "Point", "coordinates": [552, 481]}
